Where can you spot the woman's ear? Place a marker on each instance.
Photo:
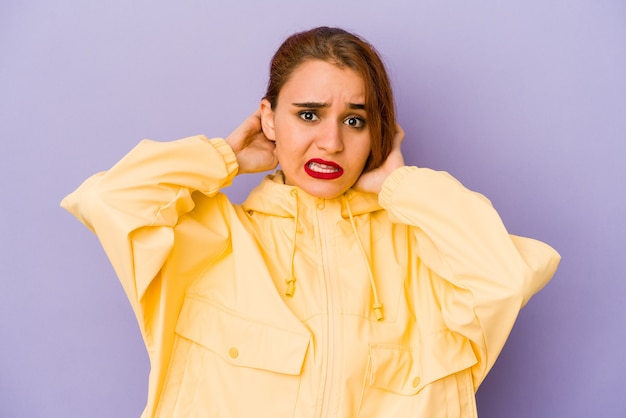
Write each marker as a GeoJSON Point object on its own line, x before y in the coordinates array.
{"type": "Point", "coordinates": [267, 120]}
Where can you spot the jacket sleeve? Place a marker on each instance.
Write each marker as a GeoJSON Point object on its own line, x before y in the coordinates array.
{"type": "Point", "coordinates": [461, 238]}
{"type": "Point", "coordinates": [134, 206]}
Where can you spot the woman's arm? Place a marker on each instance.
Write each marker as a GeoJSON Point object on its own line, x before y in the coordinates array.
{"type": "Point", "coordinates": [133, 207]}
{"type": "Point", "coordinates": [461, 238]}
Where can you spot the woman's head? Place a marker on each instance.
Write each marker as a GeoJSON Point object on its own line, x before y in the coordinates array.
{"type": "Point", "coordinates": [345, 50]}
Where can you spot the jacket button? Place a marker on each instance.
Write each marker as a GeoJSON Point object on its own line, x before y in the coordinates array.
{"type": "Point", "coordinates": [416, 382]}
{"type": "Point", "coordinates": [233, 352]}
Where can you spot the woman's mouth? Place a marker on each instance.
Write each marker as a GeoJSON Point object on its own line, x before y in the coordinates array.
{"type": "Point", "coordinates": [321, 169]}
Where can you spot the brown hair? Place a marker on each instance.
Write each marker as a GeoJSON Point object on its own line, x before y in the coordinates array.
{"type": "Point", "coordinates": [344, 49]}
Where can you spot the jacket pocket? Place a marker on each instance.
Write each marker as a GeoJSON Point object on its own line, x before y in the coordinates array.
{"type": "Point", "coordinates": [241, 341]}
{"type": "Point", "coordinates": [228, 365]}
{"type": "Point", "coordinates": [407, 370]}
{"type": "Point", "coordinates": [430, 380]}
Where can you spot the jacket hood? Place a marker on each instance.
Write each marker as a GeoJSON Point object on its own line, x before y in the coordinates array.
{"type": "Point", "coordinates": [273, 197]}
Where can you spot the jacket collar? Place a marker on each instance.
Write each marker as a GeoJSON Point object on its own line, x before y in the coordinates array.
{"type": "Point", "coordinates": [273, 197]}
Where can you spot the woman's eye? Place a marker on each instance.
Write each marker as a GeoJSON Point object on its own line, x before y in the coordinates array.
{"type": "Point", "coordinates": [355, 122]}
{"type": "Point", "coordinates": [308, 116]}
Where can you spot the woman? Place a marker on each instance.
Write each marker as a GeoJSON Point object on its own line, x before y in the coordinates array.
{"type": "Point", "coordinates": [346, 285]}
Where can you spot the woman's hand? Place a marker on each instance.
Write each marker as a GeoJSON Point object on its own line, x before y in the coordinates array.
{"type": "Point", "coordinates": [373, 180]}
{"type": "Point", "coordinates": [255, 153]}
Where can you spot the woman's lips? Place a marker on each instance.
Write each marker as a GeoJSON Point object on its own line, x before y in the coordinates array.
{"type": "Point", "coordinates": [321, 169]}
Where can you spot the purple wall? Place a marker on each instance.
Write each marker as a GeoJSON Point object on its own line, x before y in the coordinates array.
{"type": "Point", "coordinates": [524, 101]}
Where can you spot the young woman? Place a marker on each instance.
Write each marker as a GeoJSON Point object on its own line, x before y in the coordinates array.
{"type": "Point", "coordinates": [346, 285]}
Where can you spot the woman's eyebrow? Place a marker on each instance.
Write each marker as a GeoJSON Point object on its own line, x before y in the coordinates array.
{"type": "Point", "coordinates": [311, 105]}
{"type": "Point", "coordinates": [318, 105]}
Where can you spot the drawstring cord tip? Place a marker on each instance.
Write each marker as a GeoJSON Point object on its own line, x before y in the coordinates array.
{"type": "Point", "coordinates": [291, 286]}
{"type": "Point", "coordinates": [378, 311]}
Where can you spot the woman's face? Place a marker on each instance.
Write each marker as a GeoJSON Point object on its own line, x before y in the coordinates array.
{"type": "Point", "coordinates": [320, 128]}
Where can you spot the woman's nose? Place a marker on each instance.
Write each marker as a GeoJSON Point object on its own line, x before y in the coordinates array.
{"type": "Point", "coordinates": [330, 138]}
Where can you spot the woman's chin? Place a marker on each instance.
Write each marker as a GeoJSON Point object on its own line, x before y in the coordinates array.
{"type": "Point", "coordinates": [323, 189]}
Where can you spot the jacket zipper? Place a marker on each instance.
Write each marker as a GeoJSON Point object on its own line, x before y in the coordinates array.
{"type": "Point", "coordinates": [329, 375]}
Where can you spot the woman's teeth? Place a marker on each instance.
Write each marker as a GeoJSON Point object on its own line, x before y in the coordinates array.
{"type": "Point", "coordinates": [322, 168]}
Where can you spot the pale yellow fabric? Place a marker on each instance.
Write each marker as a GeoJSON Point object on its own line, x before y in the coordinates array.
{"type": "Point", "coordinates": [206, 279]}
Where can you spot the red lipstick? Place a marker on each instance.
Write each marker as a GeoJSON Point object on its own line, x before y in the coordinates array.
{"type": "Point", "coordinates": [322, 169]}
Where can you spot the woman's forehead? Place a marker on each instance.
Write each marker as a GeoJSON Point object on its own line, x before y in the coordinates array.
{"type": "Point", "coordinates": [321, 82]}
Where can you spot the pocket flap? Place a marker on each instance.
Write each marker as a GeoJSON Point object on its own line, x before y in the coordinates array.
{"type": "Point", "coordinates": [242, 341]}
{"type": "Point", "coordinates": [407, 370]}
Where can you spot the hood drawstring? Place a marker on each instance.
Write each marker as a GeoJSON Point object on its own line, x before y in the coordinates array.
{"type": "Point", "coordinates": [377, 306]}
{"type": "Point", "coordinates": [291, 280]}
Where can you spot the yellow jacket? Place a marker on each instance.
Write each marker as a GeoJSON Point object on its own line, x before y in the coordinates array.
{"type": "Point", "coordinates": [208, 281]}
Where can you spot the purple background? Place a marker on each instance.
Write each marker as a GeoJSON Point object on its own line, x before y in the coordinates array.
{"type": "Point", "coordinates": [524, 101]}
